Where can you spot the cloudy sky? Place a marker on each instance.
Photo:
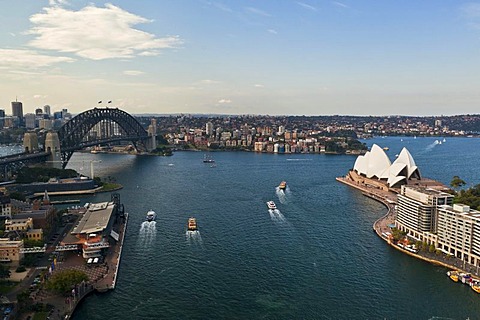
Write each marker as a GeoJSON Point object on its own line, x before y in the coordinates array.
{"type": "Point", "coordinates": [311, 57]}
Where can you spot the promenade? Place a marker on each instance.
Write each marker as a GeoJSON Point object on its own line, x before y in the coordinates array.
{"type": "Point", "coordinates": [381, 225]}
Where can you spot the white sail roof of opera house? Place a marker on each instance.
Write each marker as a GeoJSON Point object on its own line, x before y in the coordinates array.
{"type": "Point", "coordinates": [373, 163]}
{"type": "Point", "coordinates": [376, 164]}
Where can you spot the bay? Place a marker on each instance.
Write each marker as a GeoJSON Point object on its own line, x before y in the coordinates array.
{"type": "Point", "coordinates": [317, 258]}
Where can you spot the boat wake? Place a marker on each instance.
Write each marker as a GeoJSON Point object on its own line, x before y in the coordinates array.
{"type": "Point", "coordinates": [283, 195]}
{"type": "Point", "coordinates": [194, 237]}
{"type": "Point", "coordinates": [148, 231]}
{"type": "Point", "coordinates": [276, 215]}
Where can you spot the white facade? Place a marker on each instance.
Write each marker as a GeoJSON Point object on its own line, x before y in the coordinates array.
{"type": "Point", "coordinates": [375, 164]}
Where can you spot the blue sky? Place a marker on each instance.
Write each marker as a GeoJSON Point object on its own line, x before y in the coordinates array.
{"type": "Point", "coordinates": [316, 57]}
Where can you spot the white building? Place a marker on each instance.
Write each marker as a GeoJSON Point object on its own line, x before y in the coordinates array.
{"type": "Point", "coordinates": [375, 164]}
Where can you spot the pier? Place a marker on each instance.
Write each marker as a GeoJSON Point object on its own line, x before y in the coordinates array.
{"type": "Point", "coordinates": [102, 274]}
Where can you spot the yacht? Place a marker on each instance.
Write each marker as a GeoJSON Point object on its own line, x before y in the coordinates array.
{"type": "Point", "coordinates": [282, 185]}
{"type": "Point", "coordinates": [208, 159]}
{"type": "Point", "coordinates": [192, 224]}
{"type": "Point", "coordinates": [151, 216]}
{"type": "Point", "coordinates": [271, 205]}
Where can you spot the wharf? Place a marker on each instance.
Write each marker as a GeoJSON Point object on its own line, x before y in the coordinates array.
{"type": "Point", "coordinates": [102, 276]}
{"type": "Point", "coordinates": [381, 225]}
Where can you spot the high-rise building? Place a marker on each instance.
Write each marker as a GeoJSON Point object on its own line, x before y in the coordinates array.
{"type": "Point", "coordinates": [46, 109]}
{"type": "Point", "coordinates": [30, 122]}
{"type": "Point", "coordinates": [2, 118]}
{"type": "Point", "coordinates": [209, 128]}
{"type": "Point", "coordinates": [459, 232]}
{"type": "Point", "coordinates": [417, 209]}
{"type": "Point", "coordinates": [17, 109]}
{"type": "Point", "coordinates": [38, 111]}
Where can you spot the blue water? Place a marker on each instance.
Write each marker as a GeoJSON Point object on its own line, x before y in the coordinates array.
{"type": "Point", "coordinates": [315, 258]}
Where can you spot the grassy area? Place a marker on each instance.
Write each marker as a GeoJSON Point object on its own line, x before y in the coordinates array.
{"type": "Point", "coordinates": [108, 186]}
{"type": "Point", "coordinates": [7, 286]}
{"type": "Point", "coordinates": [40, 315]}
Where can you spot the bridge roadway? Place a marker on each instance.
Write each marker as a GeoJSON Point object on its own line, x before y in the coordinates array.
{"type": "Point", "coordinates": [18, 157]}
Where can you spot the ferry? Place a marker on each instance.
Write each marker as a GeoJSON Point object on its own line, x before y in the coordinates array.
{"type": "Point", "coordinates": [282, 185]}
{"type": "Point", "coordinates": [271, 205]}
{"type": "Point", "coordinates": [192, 224]}
{"type": "Point", "coordinates": [151, 216]}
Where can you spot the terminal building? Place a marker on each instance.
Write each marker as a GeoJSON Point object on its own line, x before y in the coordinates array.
{"type": "Point", "coordinates": [94, 230]}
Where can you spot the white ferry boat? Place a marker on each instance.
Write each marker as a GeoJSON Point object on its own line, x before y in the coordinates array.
{"type": "Point", "coordinates": [271, 205]}
{"type": "Point", "coordinates": [151, 216]}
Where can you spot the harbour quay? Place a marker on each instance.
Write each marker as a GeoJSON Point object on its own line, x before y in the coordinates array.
{"type": "Point", "coordinates": [420, 211]}
{"type": "Point", "coordinates": [92, 245]}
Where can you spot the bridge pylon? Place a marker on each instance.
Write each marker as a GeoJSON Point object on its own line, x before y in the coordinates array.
{"type": "Point", "coordinates": [152, 132]}
{"type": "Point", "coordinates": [30, 142]}
{"type": "Point", "coordinates": [52, 145]}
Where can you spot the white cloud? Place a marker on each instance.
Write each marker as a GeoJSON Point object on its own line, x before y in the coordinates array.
{"type": "Point", "coordinates": [57, 2]}
{"type": "Point", "coordinates": [258, 12]}
{"type": "Point", "coordinates": [224, 101]}
{"type": "Point", "coordinates": [133, 72]}
{"type": "Point", "coordinates": [209, 81]}
{"type": "Point", "coordinates": [28, 59]}
{"type": "Point", "coordinates": [96, 33]}
{"type": "Point", "coordinates": [258, 85]}
{"type": "Point", "coordinates": [12, 34]}
{"type": "Point", "coordinates": [306, 6]}
{"type": "Point", "coordinates": [343, 5]}
{"type": "Point", "coordinates": [272, 31]}
{"type": "Point", "coordinates": [39, 96]}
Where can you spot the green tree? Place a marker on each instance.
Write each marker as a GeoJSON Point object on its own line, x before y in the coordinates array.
{"type": "Point", "coordinates": [457, 182]}
{"type": "Point", "coordinates": [63, 281]}
{"type": "Point", "coordinates": [4, 271]}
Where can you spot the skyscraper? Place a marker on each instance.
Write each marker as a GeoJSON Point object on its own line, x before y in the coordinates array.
{"type": "Point", "coordinates": [46, 109]}
{"type": "Point", "coordinates": [17, 109]}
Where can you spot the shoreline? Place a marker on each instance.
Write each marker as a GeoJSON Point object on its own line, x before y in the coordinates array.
{"type": "Point", "coordinates": [381, 225]}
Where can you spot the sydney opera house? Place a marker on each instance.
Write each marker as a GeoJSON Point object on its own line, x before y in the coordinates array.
{"type": "Point", "coordinates": [375, 169]}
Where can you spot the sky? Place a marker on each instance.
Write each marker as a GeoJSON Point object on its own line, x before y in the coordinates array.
{"type": "Point", "coordinates": [282, 57]}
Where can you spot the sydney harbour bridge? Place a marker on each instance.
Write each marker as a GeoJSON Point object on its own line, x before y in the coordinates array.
{"type": "Point", "coordinates": [98, 126]}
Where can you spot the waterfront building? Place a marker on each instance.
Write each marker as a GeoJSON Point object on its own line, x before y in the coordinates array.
{"type": "Point", "coordinates": [92, 233]}
{"type": "Point", "coordinates": [459, 232]}
{"type": "Point", "coordinates": [10, 250]}
{"type": "Point", "coordinates": [375, 164]}
{"type": "Point", "coordinates": [417, 210]}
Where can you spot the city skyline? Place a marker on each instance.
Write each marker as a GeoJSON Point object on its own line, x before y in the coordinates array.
{"type": "Point", "coordinates": [226, 57]}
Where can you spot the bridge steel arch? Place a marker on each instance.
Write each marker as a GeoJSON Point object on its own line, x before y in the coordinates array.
{"type": "Point", "coordinates": [72, 133]}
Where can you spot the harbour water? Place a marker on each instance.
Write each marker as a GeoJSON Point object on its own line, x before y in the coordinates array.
{"type": "Point", "coordinates": [316, 258]}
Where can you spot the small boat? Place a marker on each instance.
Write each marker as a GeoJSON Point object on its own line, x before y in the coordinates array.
{"type": "Point", "coordinates": [282, 185]}
{"type": "Point", "coordinates": [386, 148]}
{"type": "Point", "coordinates": [192, 224]}
{"type": "Point", "coordinates": [271, 205]}
{"type": "Point", "coordinates": [453, 275]}
{"type": "Point", "coordinates": [151, 216]}
{"type": "Point", "coordinates": [475, 285]}
{"type": "Point", "coordinates": [208, 159]}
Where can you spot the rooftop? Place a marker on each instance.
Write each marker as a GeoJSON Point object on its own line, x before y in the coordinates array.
{"type": "Point", "coordinates": [95, 219]}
